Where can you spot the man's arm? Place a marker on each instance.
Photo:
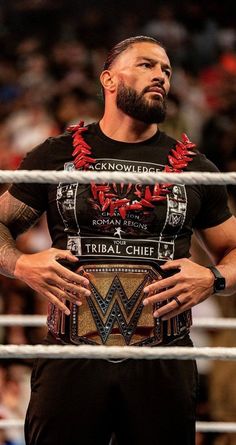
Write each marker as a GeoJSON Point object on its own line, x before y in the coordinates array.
{"type": "Point", "coordinates": [220, 244]}
{"type": "Point", "coordinates": [41, 271]}
{"type": "Point", "coordinates": [194, 283]}
{"type": "Point", "coordinates": [15, 218]}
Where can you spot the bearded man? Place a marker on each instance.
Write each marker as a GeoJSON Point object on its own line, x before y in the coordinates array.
{"type": "Point", "coordinates": [136, 288]}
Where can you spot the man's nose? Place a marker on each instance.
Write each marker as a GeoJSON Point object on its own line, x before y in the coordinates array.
{"type": "Point", "coordinates": [158, 76]}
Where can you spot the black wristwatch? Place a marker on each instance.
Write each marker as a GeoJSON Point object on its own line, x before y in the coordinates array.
{"type": "Point", "coordinates": [219, 283]}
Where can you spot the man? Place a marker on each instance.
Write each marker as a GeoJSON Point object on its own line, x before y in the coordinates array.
{"type": "Point", "coordinates": [116, 293]}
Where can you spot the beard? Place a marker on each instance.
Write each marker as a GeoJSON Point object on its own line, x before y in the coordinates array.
{"type": "Point", "coordinates": [138, 107]}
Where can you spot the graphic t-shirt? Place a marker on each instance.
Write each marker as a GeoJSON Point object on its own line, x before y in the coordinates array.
{"type": "Point", "coordinates": [78, 221]}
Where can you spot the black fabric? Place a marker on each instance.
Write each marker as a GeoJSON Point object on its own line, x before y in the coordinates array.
{"type": "Point", "coordinates": [85, 401]}
{"type": "Point", "coordinates": [76, 221]}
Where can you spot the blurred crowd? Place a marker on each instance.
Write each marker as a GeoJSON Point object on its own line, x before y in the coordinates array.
{"type": "Point", "coordinates": [51, 55]}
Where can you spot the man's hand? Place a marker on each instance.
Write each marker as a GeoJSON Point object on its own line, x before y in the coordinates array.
{"type": "Point", "coordinates": [191, 285]}
{"type": "Point", "coordinates": [43, 273]}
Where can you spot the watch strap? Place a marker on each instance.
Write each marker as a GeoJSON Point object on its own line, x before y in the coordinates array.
{"type": "Point", "coordinates": [215, 271]}
{"type": "Point", "coordinates": [219, 283]}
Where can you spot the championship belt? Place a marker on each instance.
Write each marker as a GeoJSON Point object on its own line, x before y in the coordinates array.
{"type": "Point", "coordinates": [114, 313]}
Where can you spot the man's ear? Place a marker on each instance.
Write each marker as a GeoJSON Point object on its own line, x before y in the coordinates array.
{"type": "Point", "coordinates": [108, 81]}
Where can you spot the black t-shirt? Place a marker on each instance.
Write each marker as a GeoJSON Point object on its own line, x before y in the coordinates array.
{"type": "Point", "coordinates": [75, 217]}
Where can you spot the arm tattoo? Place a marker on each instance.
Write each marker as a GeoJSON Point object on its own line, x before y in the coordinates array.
{"type": "Point", "coordinates": [15, 218]}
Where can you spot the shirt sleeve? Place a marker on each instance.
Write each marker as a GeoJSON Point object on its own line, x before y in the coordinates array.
{"type": "Point", "coordinates": [214, 205]}
{"type": "Point", "coordinates": [33, 194]}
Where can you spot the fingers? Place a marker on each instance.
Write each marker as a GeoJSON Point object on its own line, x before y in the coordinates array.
{"type": "Point", "coordinates": [62, 284]}
{"type": "Point", "coordinates": [173, 264]}
{"type": "Point", "coordinates": [162, 283]}
{"type": "Point", "coordinates": [180, 291]}
{"type": "Point", "coordinates": [63, 254]}
{"type": "Point", "coordinates": [162, 289]}
{"type": "Point", "coordinates": [70, 257]}
{"type": "Point", "coordinates": [174, 298]}
{"type": "Point", "coordinates": [72, 288]}
{"type": "Point", "coordinates": [171, 309]}
{"type": "Point", "coordinates": [57, 296]}
{"type": "Point", "coordinates": [56, 301]}
{"type": "Point", "coordinates": [63, 294]}
{"type": "Point", "coordinates": [70, 276]}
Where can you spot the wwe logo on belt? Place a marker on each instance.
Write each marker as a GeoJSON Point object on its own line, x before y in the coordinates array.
{"type": "Point", "coordinates": [114, 313]}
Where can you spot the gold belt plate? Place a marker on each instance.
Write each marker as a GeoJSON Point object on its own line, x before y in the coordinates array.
{"type": "Point", "coordinates": [114, 314]}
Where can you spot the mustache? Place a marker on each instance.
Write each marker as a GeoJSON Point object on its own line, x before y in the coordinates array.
{"type": "Point", "coordinates": [155, 85]}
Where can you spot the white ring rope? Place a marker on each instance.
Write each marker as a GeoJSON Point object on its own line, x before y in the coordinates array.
{"type": "Point", "coordinates": [85, 177]}
{"type": "Point", "coordinates": [211, 427]}
{"type": "Point", "coordinates": [214, 323]}
{"type": "Point", "coordinates": [40, 320]}
{"type": "Point", "coordinates": [11, 423]}
{"type": "Point", "coordinates": [116, 352]}
{"type": "Point", "coordinates": [216, 427]}
{"type": "Point", "coordinates": [23, 320]}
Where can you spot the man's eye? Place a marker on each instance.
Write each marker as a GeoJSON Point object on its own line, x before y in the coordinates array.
{"type": "Point", "coordinates": [145, 64]}
{"type": "Point", "coordinates": [167, 72]}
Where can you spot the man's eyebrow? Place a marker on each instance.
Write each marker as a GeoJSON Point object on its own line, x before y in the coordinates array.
{"type": "Point", "coordinates": [153, 61]}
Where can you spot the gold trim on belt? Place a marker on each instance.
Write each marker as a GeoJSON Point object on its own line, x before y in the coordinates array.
{"type": "Point", "coordinates": [114, 313]}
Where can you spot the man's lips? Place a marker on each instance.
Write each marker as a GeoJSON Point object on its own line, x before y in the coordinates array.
{"type": "Point", "coordinates": [156, 90]}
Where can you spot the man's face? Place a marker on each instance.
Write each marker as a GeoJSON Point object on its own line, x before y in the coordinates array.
{"type": "Point", "coordinates": [142, 73]}
{"type": "Point", "coordinates": [175, 190]}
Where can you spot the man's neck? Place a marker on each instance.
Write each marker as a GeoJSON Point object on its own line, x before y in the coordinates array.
{"type": "Point", "coordinates": [126, 129]}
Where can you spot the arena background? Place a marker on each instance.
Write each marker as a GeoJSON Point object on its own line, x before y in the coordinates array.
{"type": "Point", "coordinates": [51, 55]}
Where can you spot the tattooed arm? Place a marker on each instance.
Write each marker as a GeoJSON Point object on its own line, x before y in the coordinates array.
{"type": "Point", "coordinates": [15, 218]}
{"type": "Point", "coordinates": [40, 271]}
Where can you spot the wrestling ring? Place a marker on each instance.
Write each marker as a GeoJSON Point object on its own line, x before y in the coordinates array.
{"type": "Point", "coordinates": [114, 352]}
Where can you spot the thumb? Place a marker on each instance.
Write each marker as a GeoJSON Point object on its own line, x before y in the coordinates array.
{"type": "Point", "coordinates": [67, 255]}
{"type": "Point", "coordinates": [175, 264]}
{"type": "Point", "coordinates": [70, 257]}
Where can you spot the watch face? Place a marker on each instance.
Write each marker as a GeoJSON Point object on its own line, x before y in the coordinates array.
{"type": "Point", "coordinates": [219, 284]}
